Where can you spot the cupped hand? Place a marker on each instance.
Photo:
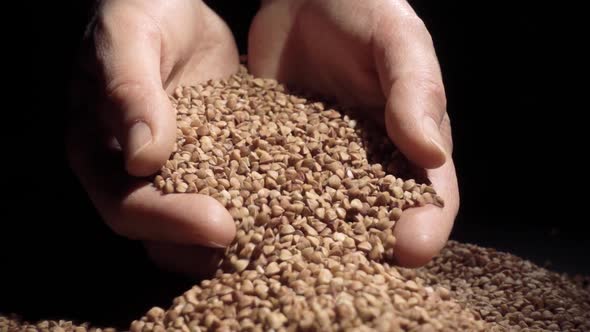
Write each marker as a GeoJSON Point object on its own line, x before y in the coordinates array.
{"type": "Point", "coordinates": [376, 54]}
{"type": "Point", "coordinates": [123, 126]}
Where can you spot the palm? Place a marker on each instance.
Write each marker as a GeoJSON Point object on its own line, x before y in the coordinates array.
{"type": "Point", "coordinates": [316, 52]}
{"type": "Point", "coordinates": [195, 43]}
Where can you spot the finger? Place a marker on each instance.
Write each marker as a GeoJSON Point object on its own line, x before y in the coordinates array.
{"type": "Point", "coordinates": [138, 109]}
{"type": "Point", "coordinates": [423, 231]}
{"type": "Point", "coordinates": [192, 261]}
{"type": "Point", "coordinates": [410, 76]}
{"type": "Point", "coordinates": [134, 208]}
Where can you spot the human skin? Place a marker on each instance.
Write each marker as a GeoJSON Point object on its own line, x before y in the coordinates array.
{"type": "Point", "coordinates": [137, 53]}
{"type": "Point", "coordinates": [376, 54]}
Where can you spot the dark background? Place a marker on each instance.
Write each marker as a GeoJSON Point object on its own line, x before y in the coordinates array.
{"type": "Point", "coordinates": [514, 117]}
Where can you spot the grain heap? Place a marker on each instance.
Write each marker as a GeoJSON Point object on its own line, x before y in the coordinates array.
{"type": "Point", "coordinates": [315, 218]}
{"type": "Point", "coordinates": [13, 323]}
{"type": "Point", "coordinates": [314, 239]}
{"type": "Point", "coordinates": [508, 291]}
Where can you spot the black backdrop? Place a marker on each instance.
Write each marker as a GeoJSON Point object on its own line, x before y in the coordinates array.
{"type": "Point", "coordinates": [516, 175]}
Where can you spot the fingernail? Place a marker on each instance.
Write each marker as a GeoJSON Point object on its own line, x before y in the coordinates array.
{"type": "Point", "coordinates": [432, 131]}
{"type": "Point", "coordinates": [140, 135]}
{"type": "Point", "coordinates": [214, 244]}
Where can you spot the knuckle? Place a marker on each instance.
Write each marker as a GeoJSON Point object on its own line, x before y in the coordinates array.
{"type": "Point", "coordinates": [434, 89]}
{"type": "Point", "coordinates": [417, 27]}
{"type": "Point", "coordinates": [447, 131]}
{"type": "Point", "coordinates": [120, 22]}
{"type": "Point", "coordinates": [413, 21]}
{"type": "Point", "coordinates": [447, 120]}
{"type": "Point", "coordinates": [120, 90]}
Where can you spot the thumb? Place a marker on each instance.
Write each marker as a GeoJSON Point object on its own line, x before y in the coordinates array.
{"type": "Point", "coordinates": [414, 112]}
{"type": "Point", "coordinates": [137, 108]}
{"type": "Point", "coordinates": [412, 82]}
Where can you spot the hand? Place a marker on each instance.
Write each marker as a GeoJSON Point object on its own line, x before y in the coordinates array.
{"type": "Point", "coordinates": [374, 54]}
{"type": "Point", "coordinates": [139, 52]}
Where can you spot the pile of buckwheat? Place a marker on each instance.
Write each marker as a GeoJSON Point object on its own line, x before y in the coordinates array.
{"type": "Point", "coordinates": [13, 323]}
{"type": "Point", "coordinates": [315, 196]}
